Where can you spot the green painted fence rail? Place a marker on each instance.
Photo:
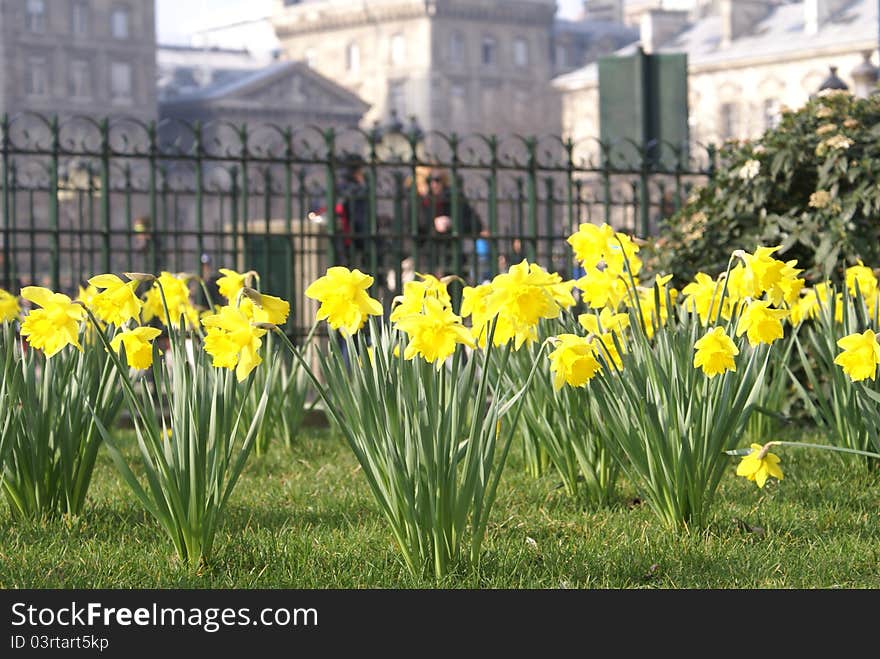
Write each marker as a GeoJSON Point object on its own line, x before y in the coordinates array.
{"type": "Point", "coordinates": [82, 196]}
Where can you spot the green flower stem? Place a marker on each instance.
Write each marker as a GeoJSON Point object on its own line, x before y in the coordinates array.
{"type": "Point", "coordinates": [824, 447]}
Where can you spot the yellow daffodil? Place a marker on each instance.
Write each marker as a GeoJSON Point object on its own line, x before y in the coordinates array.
{"type": "Point", "coordinates": [805, 308]}
{"type": "Point", "coordinates": [648, 303]}
{"type": "Point", "coordinates": [602, 288]}
{"type": "Point", "coordinates": [761, 323]}
{"type": "Point", "coordinates": [865, 278]}
{"type": "Point", "coordinates": [860, 356]}
{"type": "Point", "coordinates": [55, 324]}
{"type": "Point", "coordinates": [788, 288]}
{"type": "Point", "coordinates": [521, 297]}
{"type": "Point", "coordinates": [117, 303]}
{"type": "Point", "coordinates": [762, 271]}
{"type": "Point", "coordinates": [573, 361]}
{"type": "Point", "coordinates": [345, 303]}
{"type": "Point", "coordinates": [474, 304]}
{"type": "Point", "coordinates": [703, 295]}
{"type": "Point", "coordinates": [605, 345]}
{"type": "Point", "coordinates": [606, 321]}
{"type": "Point", "coordinates": [138, 349]}
{"type": "Point", "coordinates": [715, 352]}
{"type": "Point", "coordinates": [230, 283]}
{"type": "Point", "coordinates": [87, 294]}
{"type": "Point", "coordinates": [434, 333]}
{"type": "Point", "coordinates": [594, 245]}
{"type": "Point", "coordinates": [9, 308]}
{"type": "Point", "coordinates": [233, 341]}
{"type": "Point", "coordinates": [759, 465]}
{"type": "Point", "coordinates": [177, 297]}
{"type": "Point", "coordinates": [263, 308]}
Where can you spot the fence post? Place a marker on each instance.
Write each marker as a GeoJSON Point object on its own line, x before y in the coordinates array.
{"type": "Point", "coordinates": [245, 191]}
{"type": "Point", "coordinates": [493, 206]}
{"type": "Point", "coordinates": [644, 195]}
{"type": "Point", "coordinates": [267, 226]}
{"type": "Point", "coordinates": [54, 237]}
{"type": "Point", "coordinates": [455, 233]}
{"type": "Point", "coordinates": [7, 233]}
{"type": "Point", "coordinates": [154, 202]}
{"type": "Point", "coordinates": [237, 261]}
{"type": "Point", "coordinates": [532, 192]}
{"type": "Point", "coordinates": [200, 219]}
{"type": "Point", "coordinates": [105, 196]}
{"type": "Point", "coordinates": [289, 291]}
{"type": "Point", "coordinates": [330, 194]}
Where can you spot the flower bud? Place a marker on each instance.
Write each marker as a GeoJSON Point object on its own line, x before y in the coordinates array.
{"type": "Point", "coordinates": [140, 276]}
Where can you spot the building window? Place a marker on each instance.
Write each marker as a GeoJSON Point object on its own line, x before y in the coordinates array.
{"type": "Point", "coordinates": [727, 121]}
{"type": "Point", "coordinates": [397, 98]}
{"type": "Point", "coordinates": [80, 79]}
{"type": "Point", "coordinates": [489, 51]}
{"type": "Point", "coordinates": [120, 81]}
{"type": "Point", "coordinates": [521, 52]}
{"type": "Point", "coordinates": [398, 49]}
{"type": "Point", "coordinates": [561, 56]}
{"type": "Point", "coordinates": [119, 23]}
{"type": "Point", "coordinates": [311, 57]}
{"type": "Point", "coordinates": [456, 48]}
{"type": "Point", "coordinates": [79, 19]}
{"type": "Point", "coordinates": [458, 103]}
{"type": "Point", "coordinates": [36, 15]}
{"type": "Point", "coordinates": [771, 113]}
{"type": "Point", "coordinates": [353, 58]}
{"type": "Point", "coordinates": [38, 77]}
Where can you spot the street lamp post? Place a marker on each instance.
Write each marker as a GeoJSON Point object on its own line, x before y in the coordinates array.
{"type": "Point", "coordinates": [865, 76]}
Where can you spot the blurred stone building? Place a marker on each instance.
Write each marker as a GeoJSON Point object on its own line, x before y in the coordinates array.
{"type": "Point", "coordinates": [746, 59]}
{"type": "Point", "coordinates": [457, 65]}
{"type": "Point", "coordinates": [204, 84]}
{"type": "Point", "coordinates": [87, 57]}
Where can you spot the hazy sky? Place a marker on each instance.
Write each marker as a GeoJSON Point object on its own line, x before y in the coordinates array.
{"type": "Point", "coordinates": [175, 19]}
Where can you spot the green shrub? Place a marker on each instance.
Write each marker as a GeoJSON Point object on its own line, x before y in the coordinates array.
{"type": "Point", "coordinates": [810, 185]}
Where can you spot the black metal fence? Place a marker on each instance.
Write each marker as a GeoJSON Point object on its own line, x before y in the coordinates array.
{"type": "Point", "coordinates": [83, 196]}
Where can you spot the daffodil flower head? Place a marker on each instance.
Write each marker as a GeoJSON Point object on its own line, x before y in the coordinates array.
{"type": "Point", "coordinates": [703, 295]}
{"type": "Point", "coordinates": [602, 288]}
{"type": "Point", "coordinates": [759, 464]}
{"type": "Point", "coordinates": [521, 297]}
{"type": "Point", "coordinates": [762, 271]}
{"type": "Point", "coordinates": [573, 361]}
{"type": "Point", "coordinates": [9, 308]}
{"type": "Point", "coordinates": [138, 346]}
{"type": "Point", "coordinates": [474, 304]}
{"type": "Point", "coordinates": [264, 308]}
{"type": "Point", "coordinates": [231, 283]}
{"type": "Point", "coordinates": [176, 295]}
{"type": "Point", "coordinates": [434, 333]}
{"type": "Point", "coordinates": [860, 356]}
{"type": "Point", "coordinates": [233, 341]}
{"type": "Point", "coordinates": [761, 323]}
{"type": "Point", "coordinates": [55, 324]}
{"type": "Point", "coordinates": [715, 353]}
{"type": "Point", "coordinates": [345, 303]}
{"type": "Point", "coordinates": [117, 303]}
{"type": "Point", "coordinates": [862, 276]}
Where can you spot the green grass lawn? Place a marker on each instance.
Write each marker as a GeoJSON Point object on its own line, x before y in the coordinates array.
{"type": "Point", "coordinates": [306, 519]}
